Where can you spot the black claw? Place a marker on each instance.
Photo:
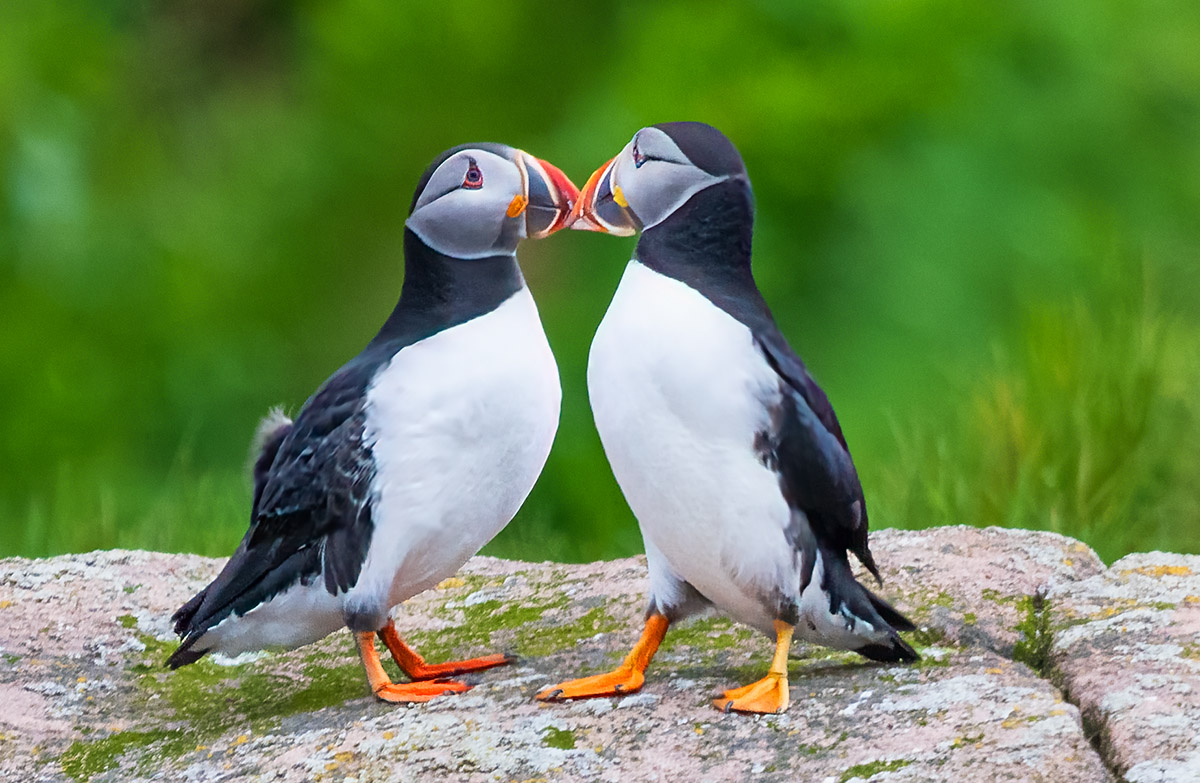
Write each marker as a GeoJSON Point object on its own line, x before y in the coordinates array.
{"type": "Point", "coordinates": [554, 694]}
{"type": "Point", "coordinates": [728, 707]}
{"type": "Point", "coordinates": [618, 688]}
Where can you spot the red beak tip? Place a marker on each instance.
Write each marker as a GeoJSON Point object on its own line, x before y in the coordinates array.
{"type": "Point", "coordinates": [562, 182]}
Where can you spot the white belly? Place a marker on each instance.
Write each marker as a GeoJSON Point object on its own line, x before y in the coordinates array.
{"type": "Point", "coordinates": [461, 424]}
{"type": "Point", "coordinates": [676, 386]}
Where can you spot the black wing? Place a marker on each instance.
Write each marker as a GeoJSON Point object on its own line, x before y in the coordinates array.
{"type": "Point", "coordinates": [317, 491]}
{"type": "Point", "coordinates": [311, 510]}
{"type": "Point", "coordinates": [816, 470]}
{"type": "Point", "coordinates": [807, 448]}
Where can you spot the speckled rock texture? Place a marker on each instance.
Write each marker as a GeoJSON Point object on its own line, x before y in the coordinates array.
{"type": "Point", "coordinates": [1126, 648]}
{"type": "Point", "coordinates": [1017, 628]}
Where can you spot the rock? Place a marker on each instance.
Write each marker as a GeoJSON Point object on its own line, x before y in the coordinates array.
{"type": "Point", "coordinates": [1008, 618]}
{"type": "Point", "coordinates": [1126, 647]}
{"type": "Point", "coordinates": [975, 586]}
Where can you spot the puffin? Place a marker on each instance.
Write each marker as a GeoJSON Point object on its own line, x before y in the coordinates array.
{"type": "Point", "coordinates": [727, 451]}
{"type": "Point", "coordinates": [414, 454]}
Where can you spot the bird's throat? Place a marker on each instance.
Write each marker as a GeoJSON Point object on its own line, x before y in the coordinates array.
{"type": "Point", "coordinates": [441, 291]}
{"type": "Point", "coordinates": [706, 242]}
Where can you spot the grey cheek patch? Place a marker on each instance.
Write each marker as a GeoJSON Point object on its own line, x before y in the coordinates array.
{"type": "Point", "coordinates": [432, 197]}
{"type": "Point", "coordinates": [510, 234]}
{"type": "Point", "coordinates": [659, 188]}
{"type": "Point", "coordinates": [456, 227]}
{"type": "Point", "coordinates": [469, 222]}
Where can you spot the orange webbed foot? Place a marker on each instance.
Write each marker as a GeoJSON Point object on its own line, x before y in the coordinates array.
{"type": "Point", "coordinates": [413, 665]}
{"type": "Point", "coordinates": [433, 671]}
{"type": "Point", "coordinates": [624, 679]}
{"type": "Point", "coordinates": [404, 692]}
{"type": "Point", "coordinates": [418, 692]}
{"type": "Point", "coordinates": [768, 695]}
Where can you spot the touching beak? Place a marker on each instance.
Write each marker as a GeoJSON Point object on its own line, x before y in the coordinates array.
{"type": "Point", "coordinates": [601, 208]}
{"type": "Point", "coordinates": [550, 198]}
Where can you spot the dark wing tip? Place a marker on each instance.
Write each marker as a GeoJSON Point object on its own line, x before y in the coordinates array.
{"type": "Point", "coordinates": [890, 614]}
{"type": "Point", "coordinates": [907, 652]}
{"type": "Point", "coordinates": [185, 654]}
{"type": "Point", "coordinates": [864, 556]}
{"type": "Point", "coordinates": [182, 619]}
{"type": "Point", "coordinates": [897, 651]}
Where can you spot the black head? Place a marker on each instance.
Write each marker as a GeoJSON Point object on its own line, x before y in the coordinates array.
{"type": "Point", "coordinates": [655, 174]}
{"type": "Point", "coordinates": [706, 147]}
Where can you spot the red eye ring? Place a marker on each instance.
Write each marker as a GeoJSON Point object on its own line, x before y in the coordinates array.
{"type": "Point", "coordinates": [473, 179]}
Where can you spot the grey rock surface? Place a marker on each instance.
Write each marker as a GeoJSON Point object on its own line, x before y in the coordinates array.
{"type": "Point", "coordinates": [1126, 647]}
{"type": "Point", "coordinates": [1009, 618]}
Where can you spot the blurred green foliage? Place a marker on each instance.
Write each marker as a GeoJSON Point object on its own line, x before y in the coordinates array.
{"type": "Point", "coordinates": [978, 224]}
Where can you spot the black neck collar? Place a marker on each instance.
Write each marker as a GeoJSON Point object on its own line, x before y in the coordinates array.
{"type": "Point", "coordinates": [705, 244]}
{"type": "Point", "coordinates": [441, 291]}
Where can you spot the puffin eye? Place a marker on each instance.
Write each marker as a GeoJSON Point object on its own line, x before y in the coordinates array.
{"type": "Point", "coordinates": [638, 157]}
{"type": "Point", "coordinates": [474, 177]}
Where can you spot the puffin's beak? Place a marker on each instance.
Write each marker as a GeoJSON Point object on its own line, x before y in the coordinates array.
{"type": "Point", "coordinates": [602, 208]}
{"type": "Point", "coordinates": [550, 198]}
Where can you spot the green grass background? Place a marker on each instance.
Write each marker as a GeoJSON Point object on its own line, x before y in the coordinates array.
{"type": "Point", "coordinates": [979, 224]}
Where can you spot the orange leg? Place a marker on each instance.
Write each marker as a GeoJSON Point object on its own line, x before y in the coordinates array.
{"type": "Point", "coordinates": [770, 694]}
{"type": "Point", "coordinates": [626, 678]}
{"type": "Point", "coordinates": [412, 664]}
{"type": "Point", "coordinates": [386, 690]}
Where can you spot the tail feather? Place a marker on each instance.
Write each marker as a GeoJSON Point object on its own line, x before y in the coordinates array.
{"type": "Point", "coordinates": [895, 649]}
{"type": "Point", "coordinates": [185, 628]}
{"type": "Point", "coordinates": [899, 650]}
{"type": "Point", "coordinates": [183, 616]}
{"type": "Point", "coordinates": [186, 653]}
{"type": "Point", "coordinates": [843, 589]}
{"type": "Point", "coordinates": [189, 623]}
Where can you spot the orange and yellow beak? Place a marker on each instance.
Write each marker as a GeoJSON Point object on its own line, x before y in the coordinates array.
{"type": "Point", "coordinates": [551, 198]}
{"type": "Point", "coordinates": [602, 206]}
{"type": "Point", "coordinates": [582, 217]}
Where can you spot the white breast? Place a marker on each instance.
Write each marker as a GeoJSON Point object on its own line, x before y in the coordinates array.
{"type": "Point", "coordinates": [460, 424]}
{"type": "Point", "coordinates": [677, 389]}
